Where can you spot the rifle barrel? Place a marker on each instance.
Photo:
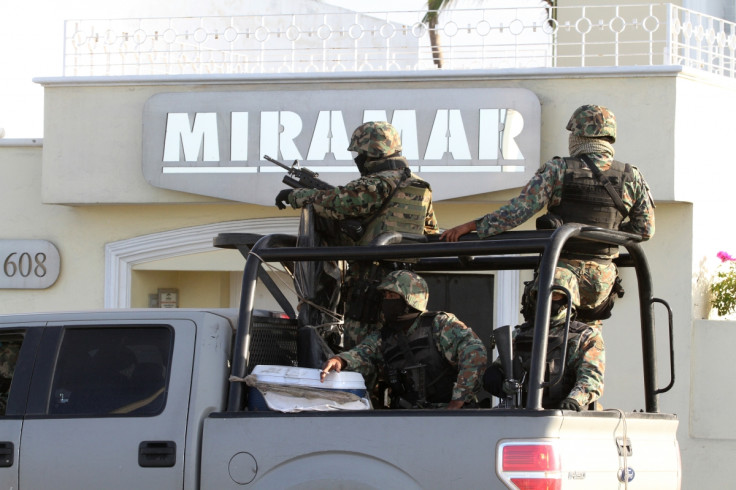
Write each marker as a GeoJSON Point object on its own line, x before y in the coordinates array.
{"type": "Point", "coordinates": [266, 157]}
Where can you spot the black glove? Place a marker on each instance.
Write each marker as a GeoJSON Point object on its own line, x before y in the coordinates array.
{"type": "Point", "coordinates": [570, 404]}
{"type": "Point", "coordinates": [282, 199]}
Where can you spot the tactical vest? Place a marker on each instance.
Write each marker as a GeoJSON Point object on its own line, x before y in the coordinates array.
{"type": "Point", "coordinates": [586, 201]}
{"type": "Point", "coordinates": [552, 396]}
{"type": "Point", "coordinates": [439, 375]}
{"type": "Point", "coordinates": [406, 210]}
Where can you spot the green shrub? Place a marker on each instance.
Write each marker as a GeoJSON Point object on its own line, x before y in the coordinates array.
{"type": "Point", "coordinates": [723, 288]}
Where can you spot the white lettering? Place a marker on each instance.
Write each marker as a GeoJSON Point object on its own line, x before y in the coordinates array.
{"type": "Point", "coordinates": [279, 130]}
{"type": "Point", "coordinates": [201, 138]}
{"type": "Point", "coordinates": [239, 137]}
{"type": "Point", "coordinates": [447, 136]}
{"type": "Point", "coordinates": [512, 128]}
{"type": "Point", "coordinates": [329, 136]}
{"type": "Point", "coordinates": [488, 135]}
{"type": "Point", "coordinates": [405, 122]}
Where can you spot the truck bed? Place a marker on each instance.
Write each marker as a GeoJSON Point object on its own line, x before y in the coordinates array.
{"type": "Point", "coordinates": [448, 449]}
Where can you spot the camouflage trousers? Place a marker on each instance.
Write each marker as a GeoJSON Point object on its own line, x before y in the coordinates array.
{"type": "Point", "coordinates": [588, 281]}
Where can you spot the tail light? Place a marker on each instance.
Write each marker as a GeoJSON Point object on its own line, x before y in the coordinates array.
{"type": "Point", "coordinates": [529, 465]}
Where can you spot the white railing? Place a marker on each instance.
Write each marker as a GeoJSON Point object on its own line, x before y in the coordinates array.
{"type": "Point", "coordinates": [598, 35]}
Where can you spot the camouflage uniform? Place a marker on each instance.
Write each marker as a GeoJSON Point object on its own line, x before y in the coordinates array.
{"type": "Point", "coordinates": [363, 198]}
{"type": "Point", "coordinates": [8, 359]}
{"type": "Point", "coordinates": [457, 344]}
{"type": "Point", "coordinates": [586, 361]}
{"type": "Point", "coordinates": [593, 129]}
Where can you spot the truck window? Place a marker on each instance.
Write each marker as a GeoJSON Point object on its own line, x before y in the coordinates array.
{"type": "Point", "coordinates": [9, 348]}
{"type": "Point", "coordinates": [117, 371]}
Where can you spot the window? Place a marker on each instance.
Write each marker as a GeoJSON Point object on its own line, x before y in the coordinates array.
{"type": "Point", "coordinates": [9, 348]}
{"type": "Point", "coordinates": [111, 371]}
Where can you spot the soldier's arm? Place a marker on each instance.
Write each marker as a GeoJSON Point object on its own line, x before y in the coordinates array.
{"type": "Point", "coordinates": [541, 190]}
{"type": "Point", "coordinates": [367, 353]}
{"type": "Point", "coordinates": [641, 214]}
{"type": "Point", "coordinates": [590, 365]}
{"type": "Point", "coordinates": [431, 226]}
{"type": "Point", "coordinates": [462, 348]}
{"type": "Point", "coordinates": [356, 199]}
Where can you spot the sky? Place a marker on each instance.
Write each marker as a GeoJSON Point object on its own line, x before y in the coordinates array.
{"type": "Point", "coordinates": [32, 42]}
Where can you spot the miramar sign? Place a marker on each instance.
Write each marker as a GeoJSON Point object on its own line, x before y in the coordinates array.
{"type": "Point", "coordinates": [464, 141]}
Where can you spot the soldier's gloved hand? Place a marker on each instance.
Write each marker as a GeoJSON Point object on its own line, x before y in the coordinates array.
{"type": "Point", "coordinates": [570, 404]}
{"type": "Point", "coordinates": [282, 198]}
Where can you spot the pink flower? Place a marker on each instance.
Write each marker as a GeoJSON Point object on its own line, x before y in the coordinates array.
{"type": "Point", "coordinates": [725, 257]}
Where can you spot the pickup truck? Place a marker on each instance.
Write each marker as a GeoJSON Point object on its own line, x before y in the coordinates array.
{"type": "Point", "coordinates": [153, 398]}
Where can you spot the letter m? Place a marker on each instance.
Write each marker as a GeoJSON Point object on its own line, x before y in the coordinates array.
{"type": "Point", "coordinates": [194, 140]}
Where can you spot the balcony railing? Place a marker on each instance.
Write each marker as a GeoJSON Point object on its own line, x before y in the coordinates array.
{"type": "Point", "coordinates": [470, 39]}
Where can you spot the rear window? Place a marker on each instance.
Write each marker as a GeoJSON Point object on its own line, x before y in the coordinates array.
{"type": "Point", "coordinates": [118, 371]}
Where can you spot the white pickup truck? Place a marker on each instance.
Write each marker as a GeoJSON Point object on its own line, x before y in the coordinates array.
{"type": "Point", "coordinates": [123, 399]}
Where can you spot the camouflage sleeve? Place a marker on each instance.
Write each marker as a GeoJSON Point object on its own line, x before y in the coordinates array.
{"type": "Point", "coordinates": [431, 226]}
{"type": "Point", "coordinates": [544, 188]}
{"type": "Point", "coordinates": [355, 199]}
{"type": "Point", "coordinates": [464, 350]}
{"type": "Point", "coordinates": [367, 353]}
{"type": "Point", "coordinates": [589, 362]}
{"type": "Point", "coordinates": [641, 213]}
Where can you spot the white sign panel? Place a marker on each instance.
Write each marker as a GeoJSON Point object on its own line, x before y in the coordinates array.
{"type": "Point", "coordinates": [463, 141]}
{"type": "Point", "coordinates": [28, 264]}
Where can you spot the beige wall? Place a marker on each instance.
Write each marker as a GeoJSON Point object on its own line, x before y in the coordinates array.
{"type": "Point", "coordinates": [672, 124]}
{"type": "Point", "coordinates": [111, 159]}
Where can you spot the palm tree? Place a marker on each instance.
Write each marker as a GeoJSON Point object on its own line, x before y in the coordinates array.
{"type": "Point", "coordinates": [431, 18]}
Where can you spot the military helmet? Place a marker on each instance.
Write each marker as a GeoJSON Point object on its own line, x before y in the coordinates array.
{"type": "Point", "coordinates": [409, 286]}
{"type": "Point", "coordinates": [375, 139]}
{"type": "Point", "coordinates": [593, 121]}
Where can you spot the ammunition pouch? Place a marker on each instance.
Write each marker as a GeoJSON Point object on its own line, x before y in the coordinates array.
{"type": "Point", "coordinates": [408, 387]}
{"type": "Point", "coordinates": [603, 310]}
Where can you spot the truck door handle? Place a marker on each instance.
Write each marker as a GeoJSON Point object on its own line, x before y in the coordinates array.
{"type": "Point", "coordinates": [157, 454]}
{"type": "Point", "coordinates": [7, 450]}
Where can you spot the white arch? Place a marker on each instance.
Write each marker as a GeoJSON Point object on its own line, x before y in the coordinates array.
{"type": "Point", "coordinates": [121, 256]}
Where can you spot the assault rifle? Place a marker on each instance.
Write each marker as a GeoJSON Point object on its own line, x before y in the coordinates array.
{"type": "Point", "coordinates": [512, 387]}
{"type": "Point", "coordinates": [300, 177]}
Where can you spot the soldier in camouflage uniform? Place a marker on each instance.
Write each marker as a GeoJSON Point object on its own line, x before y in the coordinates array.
{"type": "Point", "coordinates": [8, 358]}
{"type": "Point", "coordinates": [387, 197]}
{"type": "Point", "coordinates": [432, 359]}
{"type": "Point", "coordinates": [571, 193]}
{"type": "Point", "coordinates": [582, 381]}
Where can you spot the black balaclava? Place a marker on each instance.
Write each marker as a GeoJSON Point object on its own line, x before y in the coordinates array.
{"type": "Point", "coordinates": [398, 315]}
{"type": "Point", "coordinates": [360, 162]}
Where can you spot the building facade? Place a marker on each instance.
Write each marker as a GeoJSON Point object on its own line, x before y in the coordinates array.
{"type": "Point", "coordinates": [137, 173]}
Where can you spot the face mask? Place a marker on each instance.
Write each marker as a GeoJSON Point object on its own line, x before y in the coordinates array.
{"type": "Point", "coordinates": [360, 162]}
{"type": "Point", "coordinates": [392, 309]}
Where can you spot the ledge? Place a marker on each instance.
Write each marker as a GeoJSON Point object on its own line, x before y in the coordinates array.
{"type": "Point", "coordinates": [711, 371]}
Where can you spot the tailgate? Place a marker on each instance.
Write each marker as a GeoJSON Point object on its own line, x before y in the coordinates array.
{"type": "Point", "coordinates": [597, 446]}
{"type": "Point", "coordinates": [378, 449]}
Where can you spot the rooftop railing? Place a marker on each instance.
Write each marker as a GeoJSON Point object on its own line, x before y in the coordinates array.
{"type": "Point", "coordinates": [469, 39]}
